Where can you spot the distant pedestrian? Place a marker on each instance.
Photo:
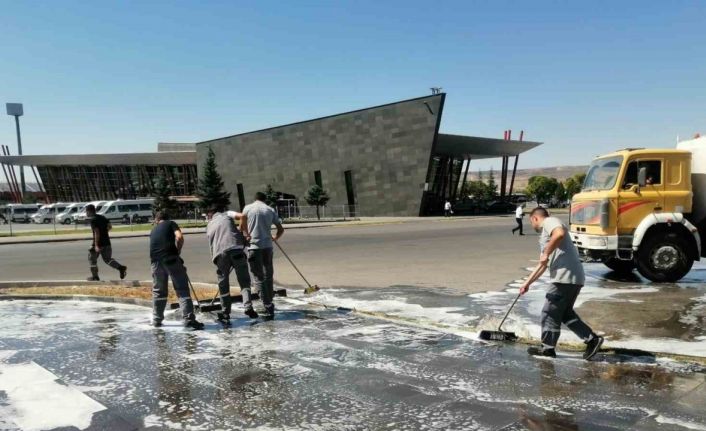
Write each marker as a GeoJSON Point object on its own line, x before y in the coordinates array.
{"type": "Point", "coordinates": [166, 242]}
{"type": "Point", "coordinates": [519, 213]}
{"type": "Point", "coordinates": [100, 226]}
{"type": "Point", "coordinates": [559, 254]}
{"type": "Point", "coordinates": [256, 224]}
{"type": "Point", "coordinates": [447, 209]}
{"type": "Point", "coordinates": [227, 245]}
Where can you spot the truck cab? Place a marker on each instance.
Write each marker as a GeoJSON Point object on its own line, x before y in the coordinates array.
{"type": "Point", "coordinates": [634, 212]}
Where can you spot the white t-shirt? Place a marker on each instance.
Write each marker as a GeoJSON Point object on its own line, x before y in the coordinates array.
{"type": "Point", "coordinates": [261, 217]}
{"type": "Point", "coordinates": [518, 212]}
{"type": "Point", "coordinates": [447, 206]}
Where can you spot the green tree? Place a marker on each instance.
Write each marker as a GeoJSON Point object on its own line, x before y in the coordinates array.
{"type": "Point", "coordinates": [271, 196]}
{"type": "Point", "coordinates": [574, 184]}
{"type": "Point", "coordinates": [541, 188]}
{"type": "Point", "coordinates": [560, 193]}
{"type": "Point", "coordinates": [318, 197]}
{"type": "Point", "coordinates": [492, 187]}
{"type": "Point", "coordinates": [163, 197]}
{"type": "Point", "coordinates": [211, 189]}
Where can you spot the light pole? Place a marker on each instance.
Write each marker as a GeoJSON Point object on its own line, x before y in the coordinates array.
{"type": "Point", "coordinates": [15, 109]}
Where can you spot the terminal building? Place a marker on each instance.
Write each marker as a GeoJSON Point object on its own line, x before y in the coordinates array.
{"type": "Point", "coordinates": [387, 160]}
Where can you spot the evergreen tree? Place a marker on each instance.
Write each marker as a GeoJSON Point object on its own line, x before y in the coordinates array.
{"type": "Point", "coordinates": [492, 187]}
{"type": "Point", "coordinates": [316, 196]}
{"type": "Point", "coordinates": [163, 197]}
{"type": "Point", "coordinates": [211, 190]}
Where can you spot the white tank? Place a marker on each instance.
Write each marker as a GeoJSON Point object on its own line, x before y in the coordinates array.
{"type": "Point", "coordinates": [697, 147]}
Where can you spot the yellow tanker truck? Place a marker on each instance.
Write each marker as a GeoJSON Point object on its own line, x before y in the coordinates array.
{"type": "Point", "coordinates": [645, 209]}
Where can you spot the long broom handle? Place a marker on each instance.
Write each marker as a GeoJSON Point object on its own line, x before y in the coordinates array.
{"type": "Point", "coordinates": [508, 311]}
{"type": "Point", "coordinates": [515, 301]}
{"type": "Point", "coordinates": [295, 267]}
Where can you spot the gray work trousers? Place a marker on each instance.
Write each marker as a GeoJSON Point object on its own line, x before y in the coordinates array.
{"type": "Point", "coordinates": [260, 261]}
{"type": "Point", "coordinates": [233, 259]}
{"type": "Point", "coordinates": [161, 271]}
{"type": "Point", "coordinates": [107, 254]}
{"type": "Point", "coordinates": [558, 309]}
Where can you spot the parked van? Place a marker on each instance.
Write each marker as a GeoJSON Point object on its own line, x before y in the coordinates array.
{"type": "Point", "coordinates": [20, 213]}
{"type": "Point", "coordinates": [128, 211]}
{"type": "Point", "coordinates": [47, 213]}
{"type": "Point", "coordinates": [80, 216]}
{"type": "Point", "coordinates": [66, 217]}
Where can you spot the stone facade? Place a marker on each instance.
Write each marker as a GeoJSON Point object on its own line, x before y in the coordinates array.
{"type": "Point", "coordinates": [387, 149]}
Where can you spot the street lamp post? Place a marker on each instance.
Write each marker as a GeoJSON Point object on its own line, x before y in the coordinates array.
{"type": "Point", "coordinates": [16, 110]}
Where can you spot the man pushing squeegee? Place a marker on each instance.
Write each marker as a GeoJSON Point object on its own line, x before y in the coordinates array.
{"type": "Point", "coordinates": [559, 254]}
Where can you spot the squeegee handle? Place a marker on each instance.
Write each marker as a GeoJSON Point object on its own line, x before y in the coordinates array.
{"type": "Point", "coordinates": [295, 267]}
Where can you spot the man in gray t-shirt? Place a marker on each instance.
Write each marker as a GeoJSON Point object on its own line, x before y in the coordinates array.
{"type": "Point", "coordinates": [227, 245]}
{"type": "Point", "coordinates": [256, 224]}
{"type": "Point", "coordinates": [560, 255]}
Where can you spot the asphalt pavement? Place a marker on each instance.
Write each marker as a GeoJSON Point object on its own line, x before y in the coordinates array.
{"type": "Point", "coordinates": [469, 255]}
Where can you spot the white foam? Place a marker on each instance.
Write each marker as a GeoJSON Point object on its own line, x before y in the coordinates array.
{"type": "Point", "coordinates": [684, 424]}
{"type": "Point", "coordinates": [36, 401]}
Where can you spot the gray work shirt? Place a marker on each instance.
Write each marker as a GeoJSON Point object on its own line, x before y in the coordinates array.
{"type": "Point", "coordinates": [261, 217]}
{"type": "Point", "coordinates": [564, 263]}
{"type": "Point", "coordinates": [223, 235]}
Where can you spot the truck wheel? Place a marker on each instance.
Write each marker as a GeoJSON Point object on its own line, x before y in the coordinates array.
{"type": "Point", "coordinates": [619, 265]}
{"type": "Point", "coordinates": [664, 258]}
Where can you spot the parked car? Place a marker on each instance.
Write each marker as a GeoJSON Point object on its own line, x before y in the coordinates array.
{"type": "Point", "coordinates": [128, 211]}
{"type": "Point", "coordinates": [66, 217]}
{"type": "Point", "coordinates": [47, 212]}
{"type": "Point", "coordinates": [80, 216]}
{"type": "Point", "coordinates": [20, 213]}
{"type": "Point", "coordinates": [500, 207]}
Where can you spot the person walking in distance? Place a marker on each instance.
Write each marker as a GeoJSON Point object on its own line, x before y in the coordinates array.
{"type": "Point", "coordinates": [227, 245]}
{"type": "Point", "coordinates": [256, 225]}
{"type": "Point", "coordinates": [447, 209]}
{"type": "Point", "coordinates": [559, 254]}
{"type": "Point", "coordinates": [519, 213]}
{"type": "Point", "coordinates": [100, 226]}
{"type": "Point", "coordinates": [166, 242]}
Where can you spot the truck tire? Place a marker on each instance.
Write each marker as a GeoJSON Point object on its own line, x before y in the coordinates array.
{"type": "Point", "coordinates": [664, 257]}
{"type": "Point", "coordinates": [619, 265]}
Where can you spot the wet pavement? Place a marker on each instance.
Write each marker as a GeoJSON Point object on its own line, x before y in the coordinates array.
{"type": "Point", "coordinates": [321, 369]}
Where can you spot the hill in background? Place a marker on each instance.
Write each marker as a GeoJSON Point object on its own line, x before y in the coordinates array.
{"type": "Point", "coordinates": [522, 176]}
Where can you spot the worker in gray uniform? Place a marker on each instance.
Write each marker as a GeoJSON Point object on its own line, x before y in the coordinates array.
{"type": "Point", "coordinates": [166, 242]}
{"type": "Point", "coordinates": [256, 224]}
{"type": "Point", "coordinates": [227, 245]}
{"type": "Point", "coordinates": [560, 255]}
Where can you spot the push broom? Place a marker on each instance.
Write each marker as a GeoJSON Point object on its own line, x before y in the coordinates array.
{"type": "Point", "coordinates": [499, 334]}
{"type": "Point", "coordinates": [309, 288]}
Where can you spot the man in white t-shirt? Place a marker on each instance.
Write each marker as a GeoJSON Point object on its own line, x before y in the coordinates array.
{"type": "Point", "coordinates": [560, 256]}
{"type": "Point", "coordinates": [256, 224]}
{"type": "Point", "coordinates": [447, 209]}
{"type": "Point", "coordinates": [519, 213]}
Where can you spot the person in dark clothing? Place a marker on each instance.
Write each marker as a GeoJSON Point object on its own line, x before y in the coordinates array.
{"type": "Point", "coordinates": [166, 241]}
{"type": "Point", "coordinates": [101, 245]}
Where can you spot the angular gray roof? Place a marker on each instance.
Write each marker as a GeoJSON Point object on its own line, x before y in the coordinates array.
{"type": "Point", "coordinates": [479, 148]}
{"type": "Point", "coordinates": [163, 158]}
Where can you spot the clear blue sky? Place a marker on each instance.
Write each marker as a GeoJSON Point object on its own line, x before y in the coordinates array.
{"type": "Point", "coordinates": [583, 77]}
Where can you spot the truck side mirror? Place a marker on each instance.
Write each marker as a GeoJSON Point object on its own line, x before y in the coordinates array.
{"type": "Point", "coordinates": [642, 177]}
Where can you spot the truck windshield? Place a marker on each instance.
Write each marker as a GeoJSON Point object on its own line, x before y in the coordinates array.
{"type": "Point", "coordinates": [602, 173]}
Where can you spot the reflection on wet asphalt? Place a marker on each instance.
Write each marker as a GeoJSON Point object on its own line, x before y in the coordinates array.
{"type": "Point", "coordinates": [318, 369]}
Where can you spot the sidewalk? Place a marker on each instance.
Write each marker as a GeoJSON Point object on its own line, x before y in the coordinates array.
{"type": "Point", "coordinates": [363, 221]}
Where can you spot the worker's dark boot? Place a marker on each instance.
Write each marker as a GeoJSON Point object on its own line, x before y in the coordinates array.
{"type": "Point", "coordinates": [123, 272]}
{"type": "Point", "coordinates": [539, 351]}
{"type": "Point", "coordinates": [593, 346]}
{"type": "Point", "coordinates": [251, 313]}
{"type": "Point", "coordinates": [93, 278]}
{"type": "Point", "coordinates": [223, 318]}
{"type": "Point", "coordinates": [193, 324]}
{"type": "Point", "coordinates": [157, 323]}
{"type": "Point", "coordinates": [269, 311]}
